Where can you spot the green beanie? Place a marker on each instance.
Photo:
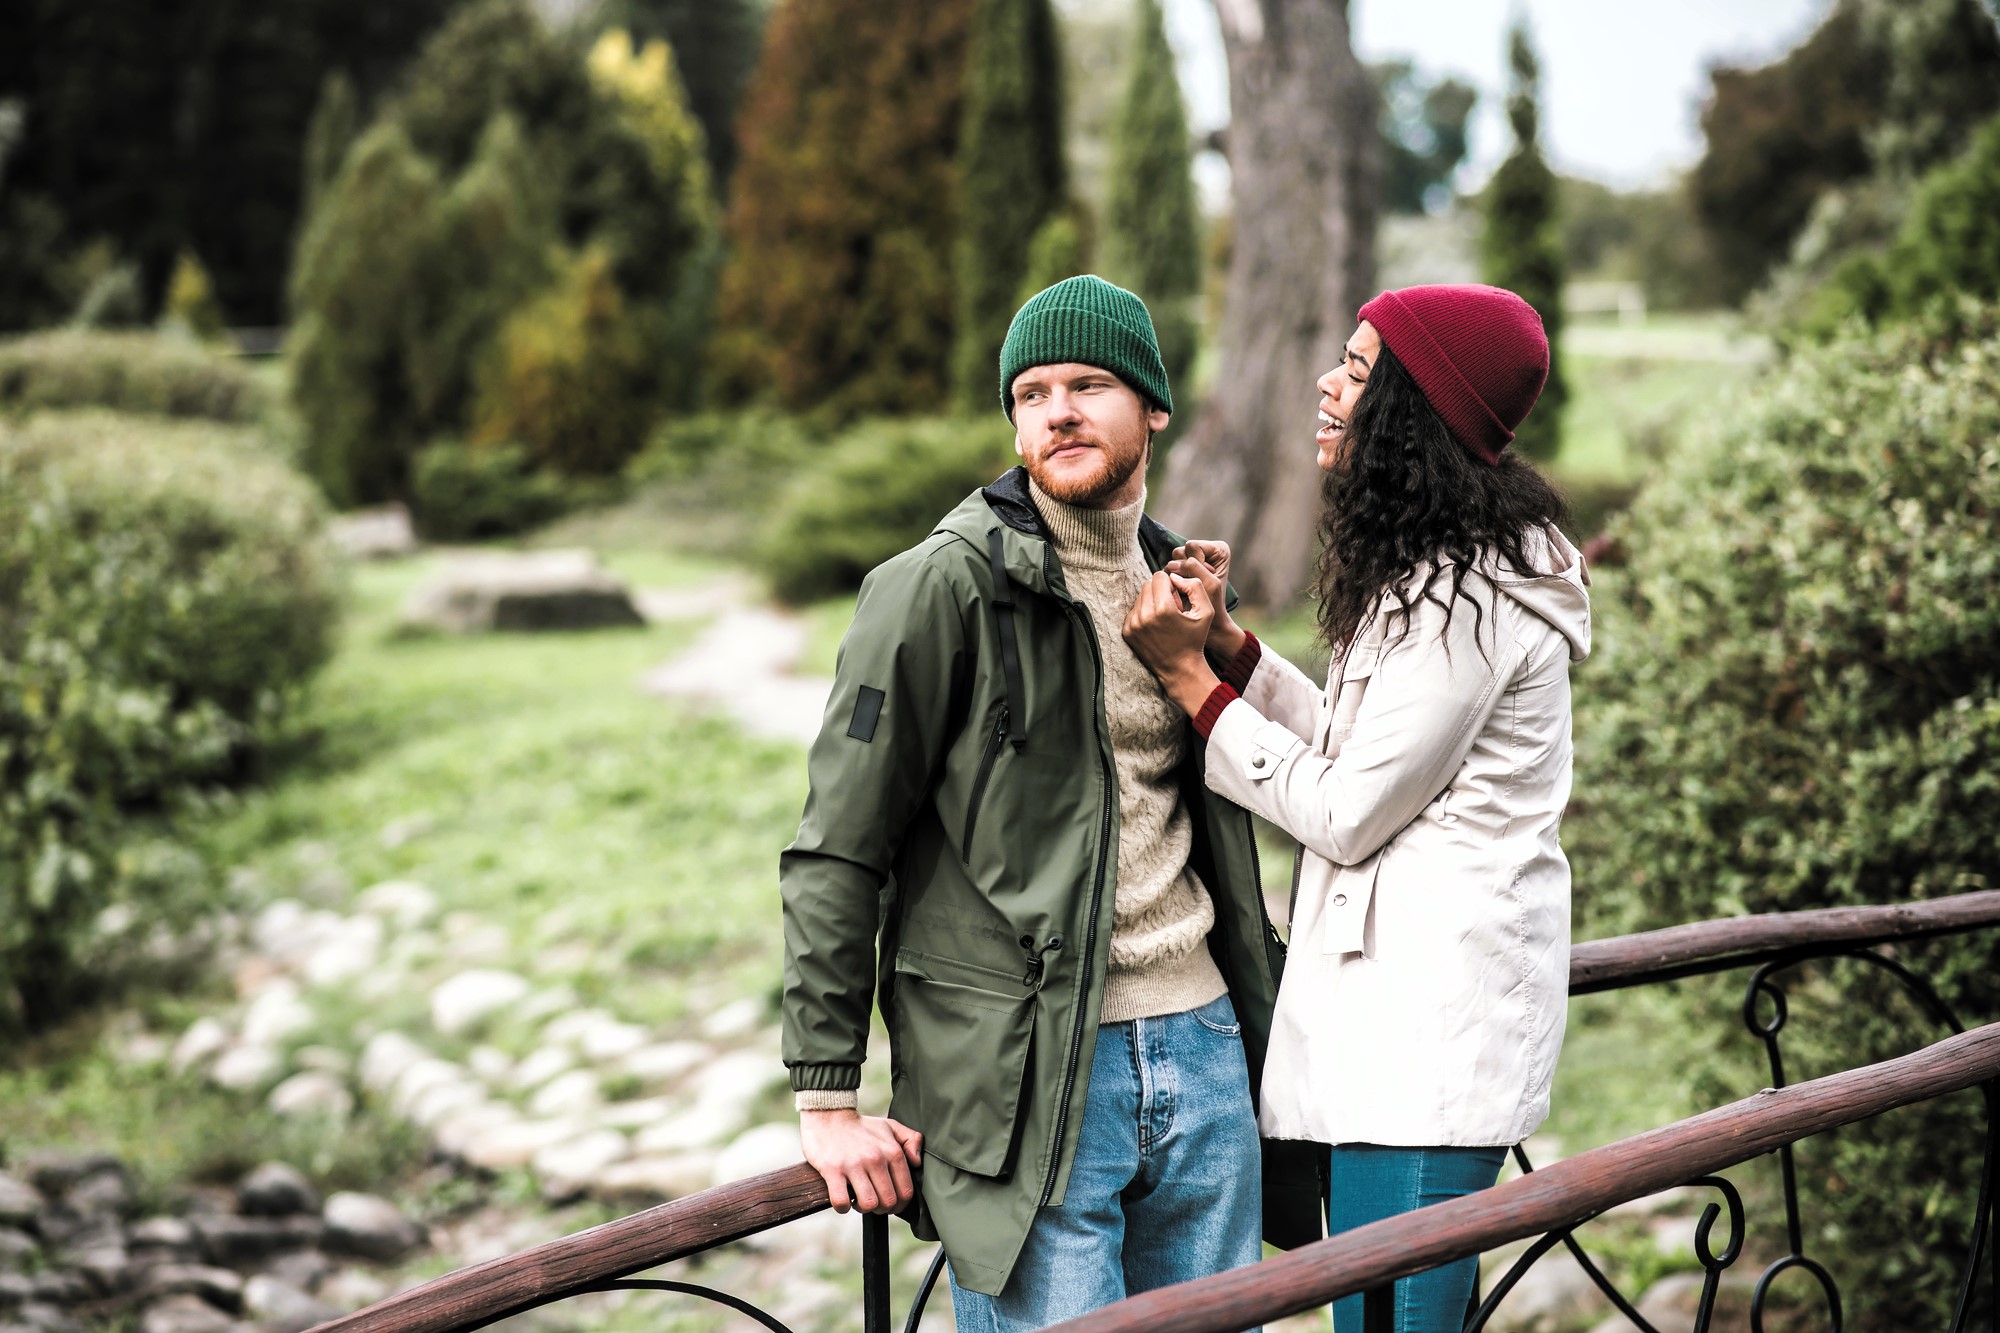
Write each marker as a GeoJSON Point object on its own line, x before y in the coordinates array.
{"type": "Point", "coordinates": [1090, 322]}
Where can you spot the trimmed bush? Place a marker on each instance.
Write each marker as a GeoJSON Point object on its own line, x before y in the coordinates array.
{"type": "Point", "coordinates": [879, 489]}
{"type": "Point", "coordinates": [462, 493]}
{"type": "Point", "coordinates": [1795, 703]}
{"type": "Point", "coordinates": [127, 372]}
{"type": "Point", "coordinates": [164, 591]}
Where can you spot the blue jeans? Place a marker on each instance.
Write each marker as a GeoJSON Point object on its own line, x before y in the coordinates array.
{"type": "Point", "coordinates": [1370, 1183]}
{"type": "Point", "coordinates": [1167, 1181]}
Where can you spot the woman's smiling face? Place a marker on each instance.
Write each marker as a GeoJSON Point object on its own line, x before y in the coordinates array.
{"type": "Point", "coordinates": [1340, 389]}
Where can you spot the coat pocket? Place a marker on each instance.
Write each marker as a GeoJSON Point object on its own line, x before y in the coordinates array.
{"type": "Point", "coordinates": [963, 1034]}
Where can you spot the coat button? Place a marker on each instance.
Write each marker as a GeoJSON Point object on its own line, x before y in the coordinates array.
{"type": "Point", "coordinates": [1258, 762]}
{"type": "Point", "coordinates": [1340, 900]}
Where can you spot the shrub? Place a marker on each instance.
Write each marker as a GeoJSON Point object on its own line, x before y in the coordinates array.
{"type": "Point", "coordinates": [1795, 703]}
{"type": "Point", "coordinates": [879, 489]}
{"type": "Point", "coordinates": [462, 492]}
{"type": "Point", "coordinates": [569, 378]}
{"type": "Point", "coordinates": [128, 372]}
{"type": "Point", "coordinates": [164, 590]}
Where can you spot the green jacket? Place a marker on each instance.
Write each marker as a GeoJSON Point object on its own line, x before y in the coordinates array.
{"type": "Point", "coordinates": [971, 831]}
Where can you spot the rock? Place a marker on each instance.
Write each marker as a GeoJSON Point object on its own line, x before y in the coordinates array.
{"type": "Point", "coordinates": [691, 1129]}
{"type": "Point", "coordinates": [466, 999]}
{"type": "Point", "coordinates": [107, 1268]}
{"type": "Point", "coordinates": [546, 1001]}
{"type": "Point", "coordinates": [609, 1040]}
{"type": "Point", "coordinates": [352, 1288]}
{"type": "Point", "coordinates": [246, 1068]}
{"type": "Point", "coordinates": [404, 902]}
{"type": "Point", "coordinates": [163, 1240]}
{"type": "Point", "coordinates": [17, 1250]}
{"type": "Point", "coordinates": [516, 1142]}
{"type": "Point", "coordinates": [656, 1179]}
{"type": "Point", "coordinates": [43, 1318]}
{"type": "Point", "coordinates": [312, 1094]}
{"type": "Point", "coordinates": [382, 533]}
{"type": "Point", "coordinates": [755, 1151]}
{"type": "Point", "coordinates": [204, 1039]}
{"type": "Point", "coordinates": [565, 1028]}
{"type": "Point", "coordinates": [55, 1174]}
{"type": "Point", "coordinates": [437, 1105]}
{"type": "Point", "coordinates": [143, 1050]}
{"type": "Point", "coordinates": [456, 1132]}
{"type": "Point", "coordinates": [239, 1242]}
{"type": "Point", "coordinates": [369, 1227]}
{"type": "Point", "coordinates": [738, 1019]}
{"type": "Point", "coordinates": [491, 1063]}
{"type": "Point", "coordinates": [565, 1168]}
{"type": "Point", "coordinates": [737, 1080]}
{"type": "Point", "coordinates": [419, 1078]}
{"type": "Point", "coordinates": [184, 1314]}
{"type": "Point", "coordinates": [350, 951]}
{"type": "Point", "coordinates": [385, 1057]}
{"type": "Point", "coordinates": [303, 1269]}
{"type": "Point", "coordinates": [537, 590]}
{"type": "Point", "coordinates": [276, 1189]}
{"type": "Point", "coordinates": [282, 1308]}
{"type": "Point", "coordinates": [19, 1201]}
{"type": "Point", "coordinates": [637, 1115]}
{"type": "Point", "coordinates": [1554, 1294]}
{"type": "Point", "coordinates": [1674, 1300]}
{"type": "Point", "coordinates": [323, 1059]}
{"type": "Point", "coordinates": [281, 927]}
{"type": "Point", "coordinates": [59, 1286]}
{"type": "Point", "coordinates": [105, 1193]}
{"type": "Point", "coordinates": [218, 1286]}
{"type": "Point", "coordinates": [276, 1014]}
{"type": "Point", "coordinates": [567, 1094]}
{"type": "Point", "coordinates": [15, 1291]}
{"type": "Point", "coordinates": [541, 1065]}
{"type": "Point", "coordinates": [667, 1060]}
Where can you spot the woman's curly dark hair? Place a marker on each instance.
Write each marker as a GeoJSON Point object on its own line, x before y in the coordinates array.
{"type": "Point", "coordinates": [1408, 492]}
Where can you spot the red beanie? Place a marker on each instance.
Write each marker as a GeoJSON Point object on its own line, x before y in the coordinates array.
{"type": "Point", "coordinates": [1478, 353]}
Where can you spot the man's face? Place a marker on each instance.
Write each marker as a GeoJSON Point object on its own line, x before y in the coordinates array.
{"type": "Point", "coordinates": [1084, 434]}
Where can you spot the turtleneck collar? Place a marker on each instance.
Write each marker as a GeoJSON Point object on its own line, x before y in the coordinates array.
{"type": "Point", "coordinates": [1090, 538]}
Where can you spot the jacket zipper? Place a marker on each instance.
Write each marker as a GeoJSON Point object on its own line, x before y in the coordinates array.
{"type": "Point", "coordinates": [1082, 615]}
{"type": "Point", "coordinates": [986, 762]}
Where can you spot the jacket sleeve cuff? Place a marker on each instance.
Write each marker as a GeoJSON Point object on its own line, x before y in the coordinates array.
{"type": "Point", "coordinates": [1219, 698]}
{"type": "Point", "coordinates": [825, 1078]}
{"type": "Point", "coordinates": [842, 1100]}
{"type": "Point", "coordinates": [1236, 672]}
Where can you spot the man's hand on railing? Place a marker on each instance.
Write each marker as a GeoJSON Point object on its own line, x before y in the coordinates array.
{"type": "Point", "coordinates": [864, 1159]}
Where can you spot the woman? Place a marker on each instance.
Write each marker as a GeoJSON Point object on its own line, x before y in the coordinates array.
{"type": "Point", "coordinates": [1422, 1006]}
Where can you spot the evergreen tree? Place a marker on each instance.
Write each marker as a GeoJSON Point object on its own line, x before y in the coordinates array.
{"type": "Point", "coordinates": [838, 292]}
{"type": "Point", "coordinates": [335, 122]}
{"type": "Point", "coordinates": [1152, 241]}
{"type": "Point", "coordinates": [1522, 247]}
{"type": "Point", "coordinates": [1012, 177]}
{"type": "Point", "coordinates": [715, 43]}
{"type": "Point", "coordinates": [1423, 134]}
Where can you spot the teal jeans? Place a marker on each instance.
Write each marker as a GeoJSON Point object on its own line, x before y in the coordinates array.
{"type": "Point", "coordinates": [1369, 1183]}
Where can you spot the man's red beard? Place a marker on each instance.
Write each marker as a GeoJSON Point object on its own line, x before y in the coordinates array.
{"type": "Point", "coordinates": [1112, 472]}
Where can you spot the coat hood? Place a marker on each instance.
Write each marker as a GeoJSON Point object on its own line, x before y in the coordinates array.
{"type": "Point", "coordinates": [1555, 586]}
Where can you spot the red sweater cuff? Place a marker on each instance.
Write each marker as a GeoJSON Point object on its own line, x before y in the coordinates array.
{"type": "Point", "coordinates": [1219, 698]}
{"type": "Point", "coordinates": [1236, 672]}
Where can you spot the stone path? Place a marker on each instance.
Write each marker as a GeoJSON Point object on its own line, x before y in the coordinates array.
{"type": "Point", "coordinates": [742, 665]}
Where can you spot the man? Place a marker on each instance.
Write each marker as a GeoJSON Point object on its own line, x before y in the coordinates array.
{"type": "Point", "coordinates": [1075, 966]}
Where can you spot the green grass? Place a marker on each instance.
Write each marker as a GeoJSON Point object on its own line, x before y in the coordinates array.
{"type": "Point", "coordinates": [1633, 389]}
{"type": "Point", "coordinates": [624, 843]}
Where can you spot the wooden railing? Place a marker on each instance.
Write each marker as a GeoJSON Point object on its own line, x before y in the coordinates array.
{"type": "Point", "coordinates": [1363, 1259]}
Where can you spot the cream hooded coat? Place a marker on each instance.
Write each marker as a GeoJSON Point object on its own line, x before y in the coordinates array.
{"type": "Point", "coordinates": [1424, 995]}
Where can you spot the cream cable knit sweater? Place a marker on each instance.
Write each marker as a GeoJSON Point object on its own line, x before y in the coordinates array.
{"type": "Point", "coordinates": [1159, 960]}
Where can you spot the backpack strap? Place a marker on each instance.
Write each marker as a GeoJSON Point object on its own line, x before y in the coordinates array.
{"type": "Point", "coordinates": [1010, 646]}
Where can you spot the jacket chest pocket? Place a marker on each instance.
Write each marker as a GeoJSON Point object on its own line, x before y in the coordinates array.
{"type": "Point", "coordinates": [1349, 685]}
{"type": "Point", "coordinates": [962, 1035]}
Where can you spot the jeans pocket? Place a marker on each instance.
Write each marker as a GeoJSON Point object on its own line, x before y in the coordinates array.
{"type": "Point", "coordinates": [1218, 1017]}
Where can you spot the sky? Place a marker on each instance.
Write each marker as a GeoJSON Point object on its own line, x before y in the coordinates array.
{"type": "Point", "coordinates": [1622, 80]}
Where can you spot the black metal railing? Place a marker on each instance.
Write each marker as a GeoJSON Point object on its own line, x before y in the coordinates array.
{"type": "Point", "coordinates": [1545, 1206]}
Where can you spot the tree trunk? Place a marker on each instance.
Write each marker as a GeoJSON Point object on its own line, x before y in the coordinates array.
{"type": "Point", "coordinates": [1304, 156]}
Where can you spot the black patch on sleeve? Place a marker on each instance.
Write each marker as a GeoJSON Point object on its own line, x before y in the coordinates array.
{"type": "Point", "coordinates": [867, 711]}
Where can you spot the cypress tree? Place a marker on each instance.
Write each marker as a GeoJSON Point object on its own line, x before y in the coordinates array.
{"type": "Point", "coordinates": [1522, 247]}
{"type": "Point", "coordinates": [838, 292]}
{"type": "Point", "coordinates": [1152, 238]}
{"type": "Point", "coordinates": [329, 135]}
{"type": "Point", "coordinates": [1012, 178]}
{"type": "Point", "coordinates": [715, 44]}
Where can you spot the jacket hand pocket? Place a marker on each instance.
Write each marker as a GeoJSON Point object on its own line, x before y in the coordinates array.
{"type": "Point", "coordinates": [962, 1034]}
